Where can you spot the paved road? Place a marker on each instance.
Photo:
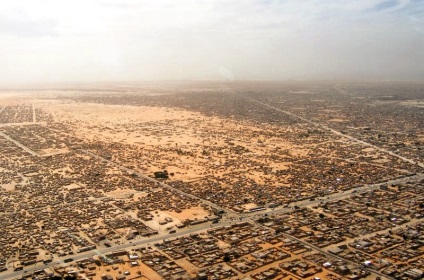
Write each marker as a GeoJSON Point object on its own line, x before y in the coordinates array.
{"type": "Point", "coordinates": [157, 182]}
{"type": "Point", "coordinates": [23, 147]}
{"type": "Point", "coordinates": [21, 124]}
{"type": "Point", "coordinates": [229, 216]}
{"type": "Point", "coordinates": [34, 116]}
{"type": "Point", "coordinates": [333, 131]}
{"type": "Point", "coordinates": [127, 246]}
{"type": "Point", "coordinates": [335, 196]}
{"type": "Point", "coordinates": [306, 244]}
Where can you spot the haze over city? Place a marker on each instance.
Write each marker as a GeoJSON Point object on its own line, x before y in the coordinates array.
{"type": "Point", "coordinates": [209, 140]}
{"type": "Point", "coordinates": [128, 40]}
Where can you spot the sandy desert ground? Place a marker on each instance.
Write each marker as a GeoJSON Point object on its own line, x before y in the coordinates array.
{"type": "Point", "coordinates": [89, 157]}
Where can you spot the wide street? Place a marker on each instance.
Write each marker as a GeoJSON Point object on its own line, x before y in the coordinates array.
{"type": "Point", "coordinates": [229, 217]}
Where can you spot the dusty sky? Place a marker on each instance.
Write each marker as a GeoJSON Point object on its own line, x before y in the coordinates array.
{"type": "Point", "coordinates": [111, 40]}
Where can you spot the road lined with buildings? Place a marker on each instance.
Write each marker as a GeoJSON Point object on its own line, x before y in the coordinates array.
{"type": "Point", "coordinates": [25, 148]}
{"type": "Point", "coordinates": [336, 132]}
{"type": "Point", "coordinates": [229, 218]}
{"type": "Point", "coordinates": [157, 182]}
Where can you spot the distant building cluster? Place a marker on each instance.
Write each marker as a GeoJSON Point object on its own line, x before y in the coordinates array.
{"type": "Point", "coordinates": [277, 182]}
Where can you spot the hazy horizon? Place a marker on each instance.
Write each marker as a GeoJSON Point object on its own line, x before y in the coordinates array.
{"type": "Point", "coordinates": [48, 42]}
